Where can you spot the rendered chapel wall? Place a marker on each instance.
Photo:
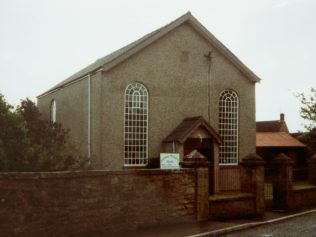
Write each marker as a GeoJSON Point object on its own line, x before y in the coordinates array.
{"type": "Point", "coordinates": [72, 110]}
{"type": "Point", "coordinates": [175, 72]}
{"type": "Point", "coordinates": [94, 203]}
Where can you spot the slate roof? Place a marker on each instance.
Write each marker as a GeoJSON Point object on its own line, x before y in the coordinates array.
{"type": "Point", "coordinates": [182, 132]}
{"type": "Point", "coordinates": [122, 54]}
{"type": "Point", "coordinates": [277, 139]}
{"type": "Point", "coordinates": [268, 126]}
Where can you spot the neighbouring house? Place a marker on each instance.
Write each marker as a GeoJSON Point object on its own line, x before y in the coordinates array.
{"type": "Point", "coordinates": [177, 89]}
{"type": "Point", "coordinates": [273, 138]}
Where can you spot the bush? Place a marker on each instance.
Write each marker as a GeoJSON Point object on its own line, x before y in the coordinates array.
{"type": "Point", "coordinates": [28, 143]}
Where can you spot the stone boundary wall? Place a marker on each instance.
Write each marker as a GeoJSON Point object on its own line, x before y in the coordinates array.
{"type": "Point", "coordinates": [303, 197]}
{"type": "Point", "coordinates": [94, 203]}
{"type": "Point", "coordinates": [232, 206]}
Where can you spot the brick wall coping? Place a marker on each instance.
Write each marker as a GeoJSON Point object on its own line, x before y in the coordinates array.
{"type": "Point", "coordinates": [90, 173]}
{"type": "Point", "coordinates": [230, 197]}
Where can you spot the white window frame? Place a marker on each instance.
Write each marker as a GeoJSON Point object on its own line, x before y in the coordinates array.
{"type": "Point", "coordinates": [136, 125]}
{"type": "Point", "coordinates": [53, 111]}
{"type": "Point", "coordinates": [228, 127]}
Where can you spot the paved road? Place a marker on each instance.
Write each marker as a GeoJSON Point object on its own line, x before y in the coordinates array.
{"type": "Point", "coordinates": [304, 226]}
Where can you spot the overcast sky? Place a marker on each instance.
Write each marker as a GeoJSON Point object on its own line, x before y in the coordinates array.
{"type": "Point", "coordinates": [42, 42]}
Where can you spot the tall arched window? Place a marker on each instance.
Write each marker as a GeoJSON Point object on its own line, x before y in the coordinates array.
{"type": "Point", "coordinates": [53, 111]}
{"type": "Point", "coordinates": [228, 127]}
{"type": "Point", "coordinates": [136, 125]}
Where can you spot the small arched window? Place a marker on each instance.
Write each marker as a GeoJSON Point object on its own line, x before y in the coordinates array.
{"type": "Point", "coordinates": [53, 111]}
{"type": "Point", "coordinates": [228, 127]}
{"type": "Point", "coordinates": [136, 125]}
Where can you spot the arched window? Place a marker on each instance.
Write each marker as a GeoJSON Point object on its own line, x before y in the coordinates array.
{"type": "Point", "coordinates": [228, 127]}
{"type": "Point", "coordinates": [136, 125]}
{"type": "Point", "coordinates": [53, 111]}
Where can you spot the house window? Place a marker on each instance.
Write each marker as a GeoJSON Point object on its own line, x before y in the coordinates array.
{"type": "Point", "coordinates": [136, 125]}
{"type": "Point", "coordinates": [228, 127]}
{"type": "Point", "coordinates": [53, 111]}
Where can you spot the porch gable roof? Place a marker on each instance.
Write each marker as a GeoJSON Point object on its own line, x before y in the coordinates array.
{"type": "Point", "coordinates": [183, 131]}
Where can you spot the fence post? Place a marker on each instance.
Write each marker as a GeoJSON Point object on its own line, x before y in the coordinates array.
{"type": "Point", "coordinates": [202, 185]}
{"type": "Point", "coordinates": [312, 170]}
{"type": "Point", "coordinates": [252, 179]}
{"type": "Point", "coordinates": [282, 182]}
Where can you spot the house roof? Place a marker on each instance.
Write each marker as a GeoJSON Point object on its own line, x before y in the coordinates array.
{"type": "Point", "coordinates": [183, 131]}
{"type": "Point", "coordinates": [271, 126]}
{"type": "Point", "coordinates": [113, 59]}
{"type": "Point", "coordinates": [268, 126]}
{"type": "Point", "coordinates": [277, 139]}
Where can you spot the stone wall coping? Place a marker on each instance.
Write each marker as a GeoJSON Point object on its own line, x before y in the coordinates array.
{"type": "Point", "coordinates": [282, 159]}
{"type": "Point", "coordinates": [309, 187]}
{"type": "Point", "coordinates": [252, 160]}
{"type": "Point", "coordinates": [312, 159]}
{"type": "Point", "coordinates": [230, 197]}
{"type": "Point", "coordinates": [90, 173]}
{"type": "Point", "coordinates": [195, 164]}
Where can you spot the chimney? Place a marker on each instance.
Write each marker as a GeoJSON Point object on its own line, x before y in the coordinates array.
{"type": "Point", "coordinates": [282, 116]}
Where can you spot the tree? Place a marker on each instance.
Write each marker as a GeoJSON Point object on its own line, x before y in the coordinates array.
{"type": "Point", "coordinates": [309, 138]}
{"type": "Point", "coordinates": [28, 143]}
{"type": "Point", "coordinates": [308, 109]}
{"type": "Point", "coordinates": [13, 138]}
{"type": "Point", "coordinates": [308, 112]}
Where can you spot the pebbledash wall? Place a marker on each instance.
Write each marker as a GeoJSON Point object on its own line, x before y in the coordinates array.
{"type": "Point", "coordinates": [175, 72]}
{"type": "Point", "coordinates": [91, 203]}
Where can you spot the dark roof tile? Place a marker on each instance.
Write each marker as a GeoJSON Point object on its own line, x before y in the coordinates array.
{"type": "Point", "coordinates": [187, 127]}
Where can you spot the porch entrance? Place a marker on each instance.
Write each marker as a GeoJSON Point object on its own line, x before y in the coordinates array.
{"type": "Point", "coordinates": [194, 134]}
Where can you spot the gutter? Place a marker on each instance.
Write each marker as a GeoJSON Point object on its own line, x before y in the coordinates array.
{"type": "Point", "coordinates": [71, 82]}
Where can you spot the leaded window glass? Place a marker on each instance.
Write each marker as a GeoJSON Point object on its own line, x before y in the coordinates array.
{"type": "Point", "coordinates": [136, 125]}
{"type": "Point", "coordinates": [228, 127]}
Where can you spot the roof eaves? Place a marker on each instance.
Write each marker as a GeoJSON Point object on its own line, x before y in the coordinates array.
{"type": "Point", "coordinates": [68, 82]}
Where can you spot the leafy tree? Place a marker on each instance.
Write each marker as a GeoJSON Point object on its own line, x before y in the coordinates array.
{"type": "Point", "coordinates": [308, 109]}
{"type": "Point", "coordinates": [309, 138]}
{"type": "Point", "coordinates": [13, 137]}
{"type": "Point", "coordinates": [308, 112]}
{"type": "Point", "coordinates": [28, 143]}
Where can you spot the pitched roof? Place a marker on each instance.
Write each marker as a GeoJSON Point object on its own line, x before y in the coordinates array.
{"type": "Point", "coordinates": [182, 132]}
{"type": "Point", "coordinates": [268, 126]}
{"type": "Point", "coordinates": [277, 139]}
{"type": "Point", "coordinates": [271, 126]}
{"type": "Point", "coordinates": [122, 54]}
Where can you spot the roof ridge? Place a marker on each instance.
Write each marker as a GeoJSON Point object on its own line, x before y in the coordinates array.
{"type": "Point", "coordinates": [109, 61]}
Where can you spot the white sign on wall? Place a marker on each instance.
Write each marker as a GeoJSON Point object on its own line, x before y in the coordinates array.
{"type": "Point", "coordinates": [169, 160]}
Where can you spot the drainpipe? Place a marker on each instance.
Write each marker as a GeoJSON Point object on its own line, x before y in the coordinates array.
{"type": "Point", "coordinates": [89, 119]}
{"type": "Point", "coordinates": [209, 58]}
